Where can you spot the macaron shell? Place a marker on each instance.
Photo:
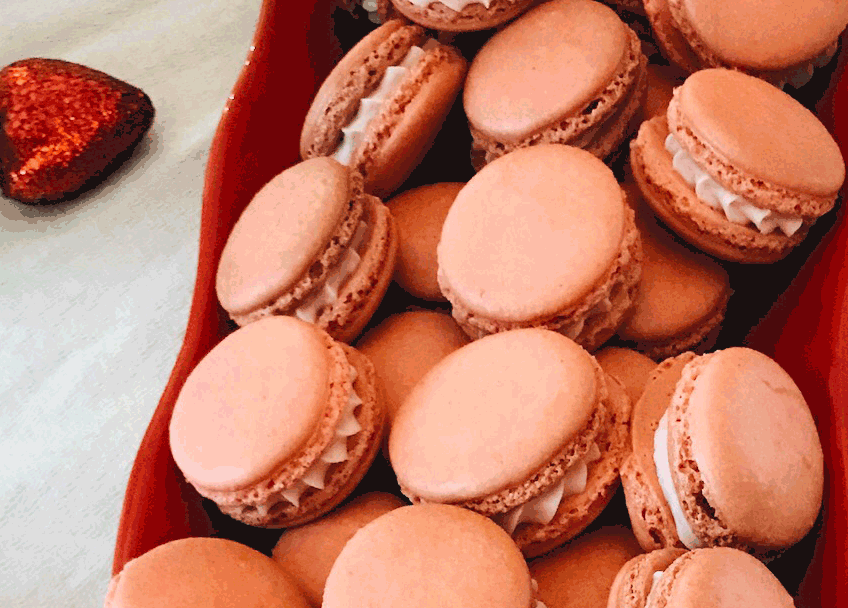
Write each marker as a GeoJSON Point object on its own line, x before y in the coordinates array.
{"type": "Point", "coordinates": [650, 515]}
{"type": "Point", "coordinates": [429, 555]}
{"type": "Point", "coordinates": [762, 34]}
{"type": "Point", "coordinates": [200, 572]}
{"type": "Point", "coordinates": [406, 346]}
{"type": "Point", "coordinates": [676, 204]}
{"type": "Point", "coordinates": [545, 66]}
{"type": "Point", "coordinates": [307, 552]}
{"type": "Point", "coordinates": [357, 74]}
{"type": "Point", "coordinates": [720, 577]}
{"type": "Point", "coordinates": [475, 16]}
{"type": "Point", "coordinates": [403, 131]}
{"type": "Point", "coordinates": [420, 214]}
{"type": "Point", "coordinates": [532, 233]}
{"type": "Point", "coordinates": [284, 229]}
{"type": "Point", "coordinates": [251, 404]}
{"type": "Point", "coordinates": [634, 580]}
{"type": "Point", "coordinates": [762, 133]}
{"type": "Point", "coordinates": [682, 294]}
{"type": "Point", "coordinates": [631, 368]}
{"type": "Point", "coordinates": [671, 41]}
{"type": "Point", "coordinates": [576, 512]}
{"type": "Point", "coordinates": [579, 574]}
{"type": "Point", "coordinates": [742, 420]}
{"type": "Point", "coordinates": [526, 393]}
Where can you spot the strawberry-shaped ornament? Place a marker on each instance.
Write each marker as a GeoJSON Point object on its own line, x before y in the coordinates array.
{"type": "Point", "coordinates": [63, 127]}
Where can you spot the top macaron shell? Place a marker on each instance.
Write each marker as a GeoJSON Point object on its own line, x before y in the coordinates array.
{"type": "Point", "coordinates": [203, 572]}
{"type": "Point", "coordinates": [740, 425]}
{"type": "Point", "coordinates": [525, 394]}
{"type": "Point", "coordinates": [760, 34]}
{"type": "Point", "coordinates": [764, 134]}
{"type": "Point", "coordinates": [429, 555]}
{"type": "Point", "coordinates": [461, 15]}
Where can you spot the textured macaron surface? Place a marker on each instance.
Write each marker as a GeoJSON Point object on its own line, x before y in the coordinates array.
{"type": "Point", "coordinates": [429, 555]}
{"type": "Point", "coordinates": [281, 233]}
{"type": "Point", "coordinates": [759, 130]}
{"type": "Point", "coordinates": [490, 415]}
{"type": "Point", "coordinates": [202, 572]}
{"type": "Point", "coordinates": [745, 424]}
{"type": "Point", "coordinates": [251, 404]}
{"type": "Point", "coordinates": [532, 233]}
{"type": "Point", "coordinates": [545, 66]}
{"type": "Point", "coordinates": [765, 34]}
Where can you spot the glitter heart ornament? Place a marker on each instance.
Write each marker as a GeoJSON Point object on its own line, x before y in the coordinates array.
{"type": "Point", "coordinates": [64, 127]}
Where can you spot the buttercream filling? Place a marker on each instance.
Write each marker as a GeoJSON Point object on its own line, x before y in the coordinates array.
{"type": "Point", "coordinates": [369, 106]}
{"type": "Point", "coordinates": [684, 530]}
{"type": "Point", "coordinates": [543, 508]}
{"type": "Point", "coordinates": [334, 453]}
{"type": "Point", "coordinates": [573, 330]}
{"type": "Point", "coordinates": [655, 580]}
{"type": "Point", "coordinates": [535, 587]}
{"type": "Point", "coordinates": [371, 7]}
{"type": "Point", "coordinates": [454, 5]}
{"type": "Point", "coordinates": [801, 75]}
{"type": "Point", "coordinates": [327, 295]}
{"type": "Point", "coordinates": [736, 209]}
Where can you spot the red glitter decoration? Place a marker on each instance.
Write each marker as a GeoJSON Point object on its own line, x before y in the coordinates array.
{"type": "Point", "coordinates": [64, 126]}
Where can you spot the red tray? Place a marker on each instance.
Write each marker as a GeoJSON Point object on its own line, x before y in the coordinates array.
{"type": "Point", "coordinates": [295, 46]}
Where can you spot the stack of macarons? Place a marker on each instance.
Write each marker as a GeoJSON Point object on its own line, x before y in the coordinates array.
{"type": "Point", "coordinates": [549, 336]}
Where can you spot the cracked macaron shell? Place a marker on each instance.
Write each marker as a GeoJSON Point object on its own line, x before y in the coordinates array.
{"type": "Point", "coordinates": [493, 413]}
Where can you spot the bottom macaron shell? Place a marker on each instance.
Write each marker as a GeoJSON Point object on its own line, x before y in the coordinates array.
{"type": "Point", "coordinates": [668, 37]}
{"type": "Point", "coordinates": [341, 479]}
{"type": "Point", "coordinates": [650, 515]}
{"type": "Point", "coordinates": [633, 582]}
{"type": "Point", "coordinates": [474, 16]}
{"type": "Point", "coordinates": [676, 204]}
{"type": "Point", "coordinates": [575, 513]}
{"type": "Point", "coordinates": [360, 296]}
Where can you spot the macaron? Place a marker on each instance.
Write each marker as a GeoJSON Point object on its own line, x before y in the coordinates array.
{"type": "Point", "coordinates": [430, 555]}
{"type": "Point", "coordinates": [760, 37]}
{"type": "Point", "coordinates": [628, 366]}
{"type": "Point", "coordinates": [579, 574]}
{"type": "Point", "coordinates": [419, 214]}
{"type": "Point", "coordinates": [202, 572]}
{"type": "Point", "coordinates": [313, 245]}
{"type": "Point", "coordinates": [541, 237]}
{"type": "Point", "coordinates": [521, 426]}
{"type": "Point", "coordinates": [720, 577]}
{"type": "Point", "coordinates": [737, 168]}
{"type": "Point", "coordinates": [307, 552]}
{"type": "Point", "coordinates": [405, 346]}
{"type": "Point", "coordinates": [568, 71]}
{"type": "Point", "coordinates": [461, 15]}
{"type": "Point", "coordinates": [682, 297]}
{"type": "Point", "coordinates": [277, 423]}
{"type": "Point", "coordinates": [633, 582]}
{"type": "Point", "coordinates": [725, 453]}
{"type": "Point", "coordinates": [380, 108]}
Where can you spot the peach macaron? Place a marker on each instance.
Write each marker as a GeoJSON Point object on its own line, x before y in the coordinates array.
{"type": "Point", "coordinates": [278, 423]}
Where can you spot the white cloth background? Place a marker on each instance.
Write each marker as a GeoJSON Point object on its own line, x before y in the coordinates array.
{"type": "Point", "coordinates": [95, 293]}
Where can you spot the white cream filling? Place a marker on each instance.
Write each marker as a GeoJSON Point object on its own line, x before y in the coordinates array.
{"type": "Point", "coordinates": [654, 582]}
{"type": "Point", "coordinates": [573, 330]}
{"type": "Point", "coordinates": [542, 508]}
{"type": "Point", "coordinates": [369, 106]}
{"type": "Point", "coordinates": [802, 75]}
{"type": "Point", "coordinates": [371, 7]}
{"type": "Point", "coordinates": [534, 585]}
{"type": "Point", "coordinates": [334, 453]}
{"type": "Point", "coordinates": [454, 5]}
{"type": "Point", "coordinates": [327, 295]}
{"type": "Point", "coordinates": [736, 209]}
{"type": "Point", "coordinates": [684, 531]}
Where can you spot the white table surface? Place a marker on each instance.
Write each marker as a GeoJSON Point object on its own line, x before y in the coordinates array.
{"type": "Point", "coordinates": [95, 293]}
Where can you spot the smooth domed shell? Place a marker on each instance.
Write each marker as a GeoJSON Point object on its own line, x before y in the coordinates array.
{"type": "Point", "coordinates": [491, 414]}
{"type": "Point", "coordinates": [251, 404]}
